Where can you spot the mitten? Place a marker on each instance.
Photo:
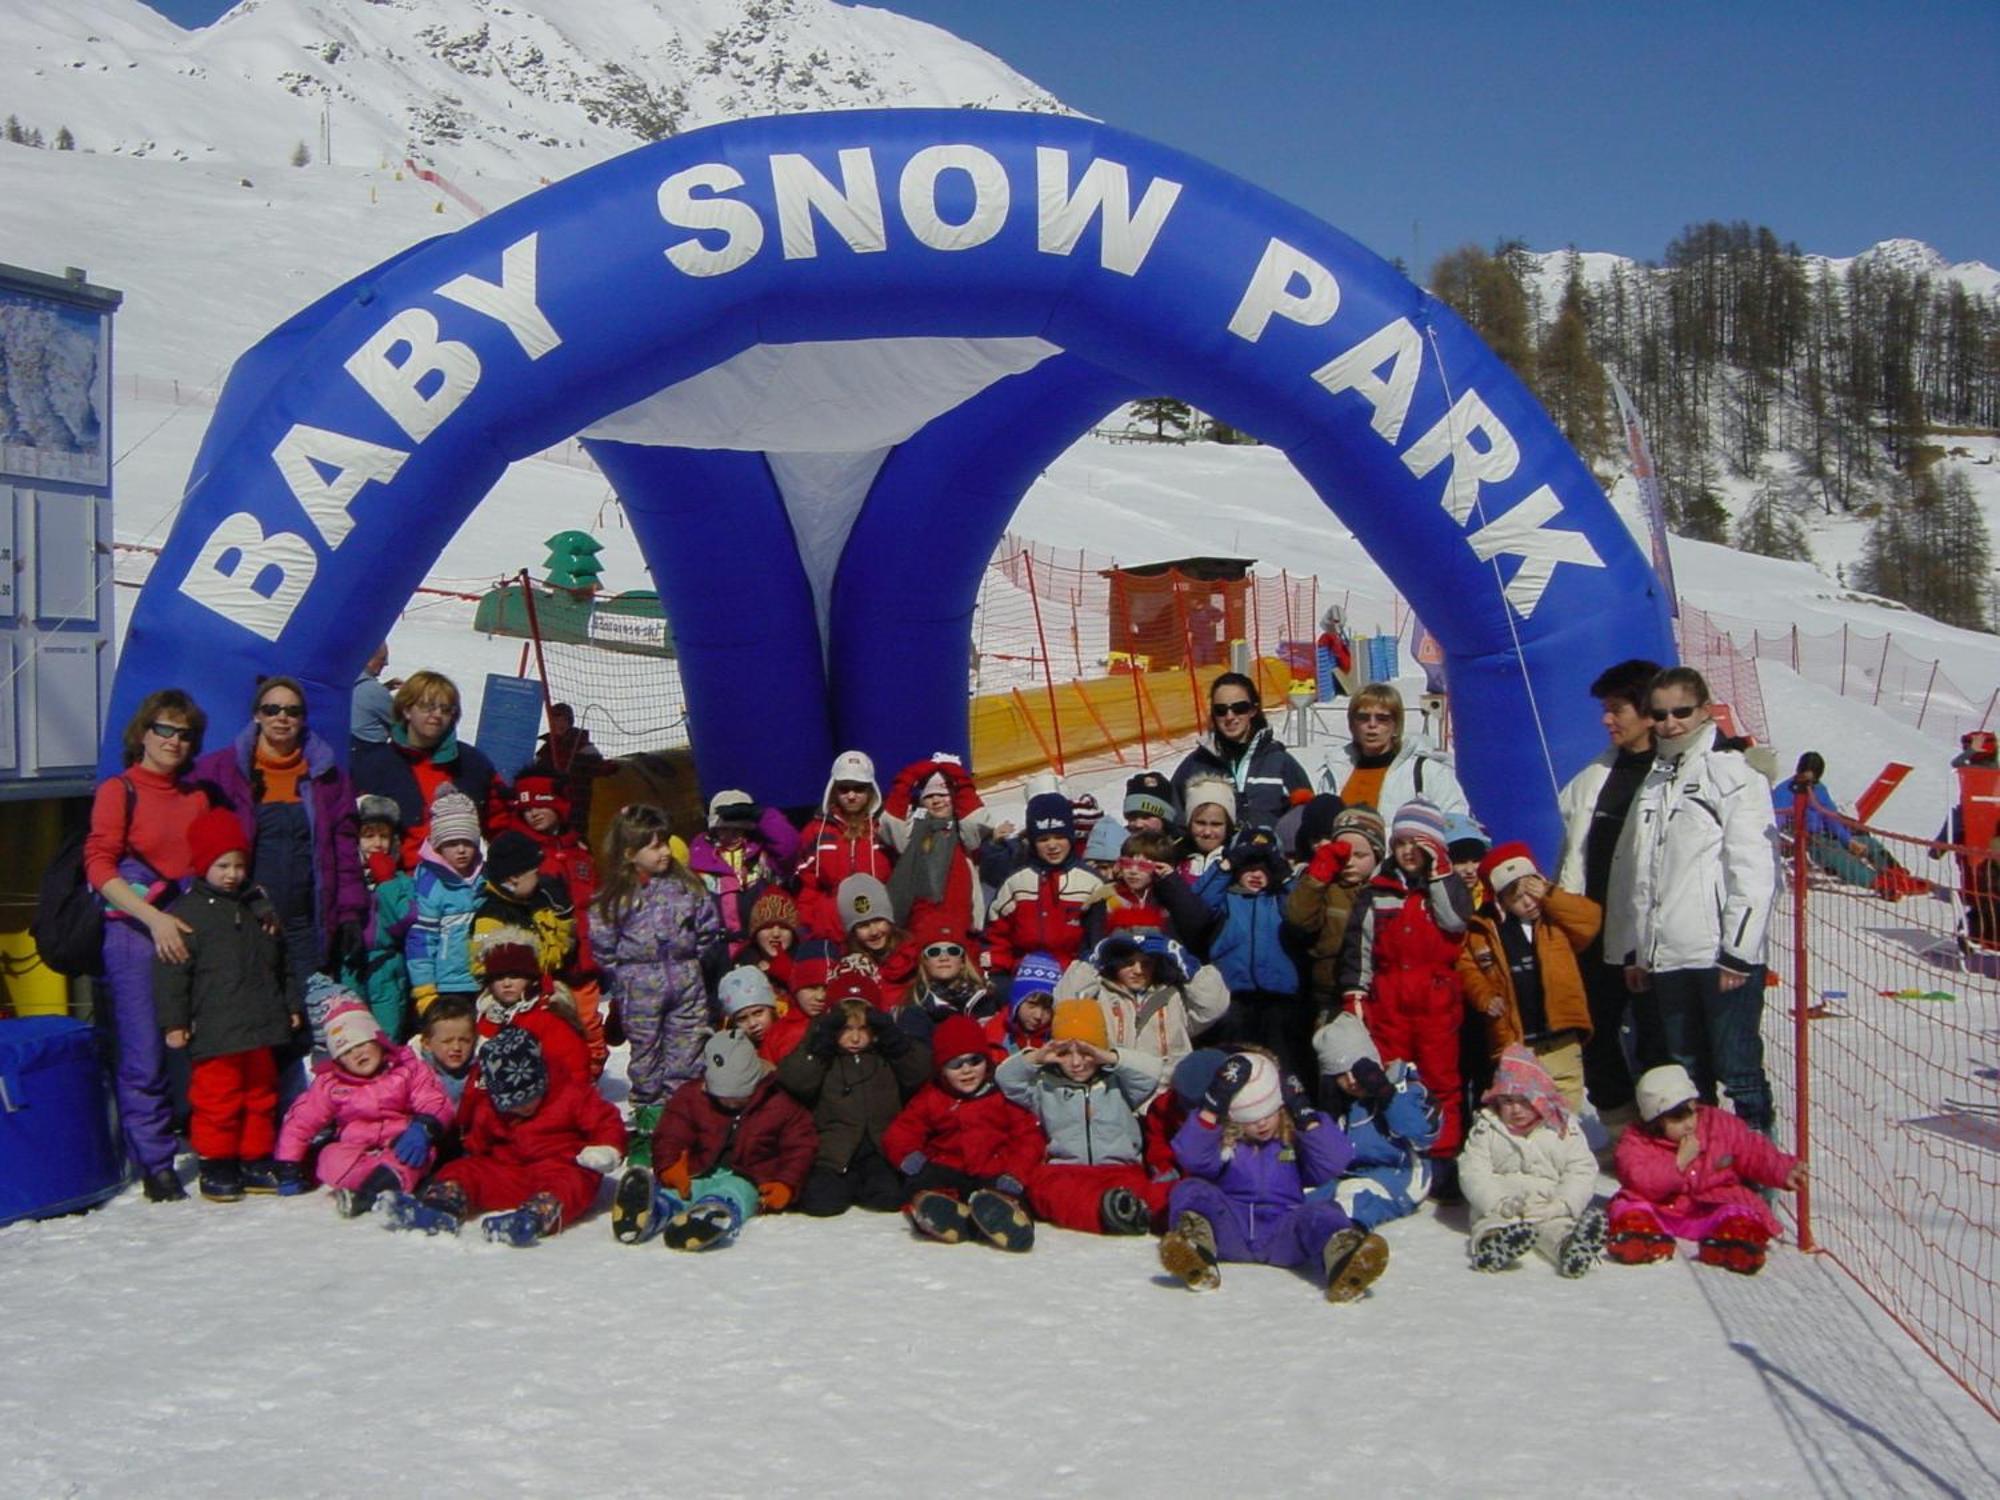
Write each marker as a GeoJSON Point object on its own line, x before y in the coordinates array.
{"type": "Point", "coordinates": [823, 1040]}
{"type": "Point", "coordinates": [890, 1039]}
{"type": "Point", "coordinates": [1226, 1085]}
{"type": "Point", "coordinates": [599, 1158]}
{"type": "Point", "coordinates": [381, 867]}
{"type": "Point", "coordinates": [291, 1177]}
{"type": "Point", "coordinates": [912, 1164]}
{"type": "Point", "coordinates": [1181, 959]}
{"type": "Point", "coordinates": [1370, 1082]}
{"type": "Point", "coordinates": [1439, 858]}
{"type": "Point", "coordinates": [677, 1179]}
{"type": "Point", "coordinates": [1328, 860]}
{"type": "Point", "coordinates": [1298, 1104]}
{"type": "Point", "coordinates": [421, 996]}
{"type": "Point", "coordinates": [413, 1146]}
{"type": "Point", "coordinates": [774, 1196]}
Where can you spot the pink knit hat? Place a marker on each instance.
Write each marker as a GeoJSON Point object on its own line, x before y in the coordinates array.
{"type": "Point", "coordinates": [1520, 1075]}
{"type": "Point", "coordinates": [348, 1025]}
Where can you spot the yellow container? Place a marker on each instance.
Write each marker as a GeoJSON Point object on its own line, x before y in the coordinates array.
{"type": "Point", "coordinates": [29, 834]}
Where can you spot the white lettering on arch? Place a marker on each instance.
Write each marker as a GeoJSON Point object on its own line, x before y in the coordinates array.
{"type": "Point", "coordinates": [1126, 238]}
{"type": "Point", "coordinates": [249, 577]}
{"type": "Point", "coordinates": [404, 388]}
{"type": "Point", "coordinates": [742, 230]}
{"type": "Point", "coordinates": [853, 210]}
{"type": "Point", "coordinates": [1271, 292]}
{"type": "Point", "coordinates": [917, 193]}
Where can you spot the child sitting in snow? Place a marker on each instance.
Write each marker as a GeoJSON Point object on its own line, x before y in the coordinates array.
{"type": "Point", "coordinates": [1691, 1172]}
{"type": "Point", "coordinates": [449, 1037]}
{"type": "Point", "coordinates": [854, 1071]}
{"type": "Point", "coordinates": [1386, 1113]}
{"type": "Point", "coordinates": [537, 1144]}
{"type": "Point", "coordinates": [1087, 1098]}
{"type": "Point", "coordinates": [1528, 1174]}
{"type": "Point", "coordinates": [447, 895]}
{"type": "Point", "coordinates": [1249, 1155]}
{"type": "Point", "coordinates": [1031, 1006]}
{"type": "Point", "coordinates": [749, 1005]}
{"type": "Point", "coordinates": [1153, 996]}
{"type": "Point", "coordinates": [505, 957]}
{"type": "Point", "coordinates": [385, 1109]}
{"type": "Point", "coordinates": [734, 1144]}
{"type": "Point", "coordinates": [965, 1150]}
{"type": "Point", "coordinates": [541, 808]}
{"type": "Point", "coordinates": [512, 894]}
{"type": "Point", "coordinates": [383, 972]}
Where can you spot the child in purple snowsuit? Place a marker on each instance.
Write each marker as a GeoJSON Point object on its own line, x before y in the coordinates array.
{"type": "Point", "coordinates": [1249, 1153]}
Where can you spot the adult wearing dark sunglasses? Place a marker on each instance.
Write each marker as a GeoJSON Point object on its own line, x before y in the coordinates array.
{"type": "Point", "coordinates": [1239, 748]}
{"type": "Point", "coordinates": [1690, 902]}
{"type": "Point", "coordinates": [296, 806]}
{"type": "Point", "coordinates": [1379, 768]}
{"type": "Point", "coordinates": [135, 857]}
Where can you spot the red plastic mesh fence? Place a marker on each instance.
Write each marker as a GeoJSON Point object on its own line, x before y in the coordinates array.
{"type": "Point", "coordinates": [1885, 1033]}
{"type": "Point", "coordinates": [1730, 670]}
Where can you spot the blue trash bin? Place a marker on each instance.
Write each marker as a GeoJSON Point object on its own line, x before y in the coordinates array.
{"type": "Point", "coordinates": [59, 1151]}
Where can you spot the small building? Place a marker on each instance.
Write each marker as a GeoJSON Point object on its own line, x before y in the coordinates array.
{"type": "Point", "coordinates": [1180, 613]}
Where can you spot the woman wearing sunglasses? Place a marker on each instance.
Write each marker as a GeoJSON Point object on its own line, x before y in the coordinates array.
{"type": "Point", "coordinates": [1378, 768]}
{"type": "Point", "coordinates": [1240, 749]}
{"type": "Point", "coordinates": [1690, 902]}
{"type": "Point", "coordinates": [296, 806]}
{"type": "Point", "coordinates": [135, 857]}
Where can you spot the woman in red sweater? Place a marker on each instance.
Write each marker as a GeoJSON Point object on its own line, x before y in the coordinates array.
{"type": "Point", "coordinates": [135, 856]}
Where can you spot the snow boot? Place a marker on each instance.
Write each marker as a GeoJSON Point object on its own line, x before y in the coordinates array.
{"type": "Point", "coordinates": [1188, 1251]}
{"type": "Point", "coordinates": [164, 1186]}
{"type": "Point", "coordinates": [702, 1226]}
{"type": "Point", "coordinates": [1444, 1180]}
{"type": "Point", "coordinates": [639, 1131]}
{"type": "Point", "coordinates": [1001, 1220]}
{"type": "Point", "coordinates": [1353, 1259]}
{"type": "Point", "coordinates": [1498, 1249]}
{"type": "Point", "coordinates": [537, 1219]}
{"type": "Point", "coordinates": [634, 1215]}
{"type": "Point", "coordinates": [260, 1176]}
{"type": "Point", "coordinates": [221, 1179]}
{"type": "Point", "coordinates": [1583, 1246]}
{"type": "Point", "coordinates": [352, 1203]}
{"type": "Point", "coordinates": [1736, 1244]}
{"type": "Point", "coordinates": [1122, 1211]}
{"type": "Point", "coordinates": [442, 1208]}
{"type": "Point", "coordinates": [941, 1217]}
{"type": "Point", "coordinates": [1636, 1239]}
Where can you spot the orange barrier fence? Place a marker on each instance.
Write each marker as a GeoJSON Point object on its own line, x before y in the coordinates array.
{"type": "Point", "coordinates": [1889, 1050]}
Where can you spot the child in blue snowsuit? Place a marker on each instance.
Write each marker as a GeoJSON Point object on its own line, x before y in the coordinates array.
{"type": "Point", "coordinates": [1250, 1152]}
{"type": "Point", "coordinates": [1248, 939]}
{"type": "Point", "coordinates": [1387, 1116]}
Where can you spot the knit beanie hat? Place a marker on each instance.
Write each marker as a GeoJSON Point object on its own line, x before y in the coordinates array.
{"type": "Point", "coordinates": [1258, 847]}
{"type": "Point", "coordinates": [1419, 818]}
{"type": "Point", "coordinates": [1505, 865]}
{"type": "Point", "coordinates": [1342, 1043]}
{"type": "Point", "coordinates": [214, 833]}
{"type": "Point", "coordinates": [1209, 791]}
{"type": "Point", "coordinates": [1149, 795]}
{"type": "Point", "coordinates": [731, 1068]}
{"type": "Point", "coordinates": [1464, 838]}
{"type": "Point", "coordinates": [1050, 816]}
{"type": "Point", "coordinates": [734, 808]}
{"type": "Point", "coordinates": [1107, 841]}
{"type": "Point", "coordinates": [540, 791]}
{"type": "Point", "coordinates": [506, 953]}
{"type": "Point", "coordinates": [773, 909]}
{"type": "Point", "coordinates": [349, 1023]}
{"type": "Point", "coordinates": [932, 926]}
{"type": "Point", "coordinates": [454, 818]}
{"type": "Point", "coordinates": [511, 1069]}
{"type": "Point", "coordinates": [743, 989]}
{"type": "Point", "coordinates": [1315, 822]}
{"type": "Point", "coordinates": [862, 898]}
{"type": "Point", "coordinates": [956, 1036]}
{"type": "Point", "coordinates": [1663, 1088]}
{"type": "Point", "coordinates": [1195, 1072]}
{"type": "Point", "coordinates": [850, 982]}
{"type": "Point", "coordinates": [812, 964]}
{"type": "Point", "coordinates": [1085, 814]}
{"type": "Point", "coordinates": [372, 807]}
{"type": "Point", "coordinates": [1035, 974]}
{"type": "Point", "coordinates": [1079, 1021]}
{"type": "Point", "coordinates": [511, 853]}
{"type": "Point", "coordinates": [1260, 1097]}
{"type": "Point", "coordinates": [1363, 823]}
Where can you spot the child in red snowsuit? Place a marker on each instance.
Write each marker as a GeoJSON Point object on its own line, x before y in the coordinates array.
{"type": "Point", "coordinates": [965, 1150]}
{"type": "Point", "coordinates": [543, 812]}
{"type": "Point", "coordinates": [1398, 966]}
{"type": "Point", "coordinates": [536, 1147]}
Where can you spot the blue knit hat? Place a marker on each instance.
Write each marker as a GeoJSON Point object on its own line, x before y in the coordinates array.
{"type": "Point", "coordinates": [1036, 974]}
{"type": "Point", "coordinates": [1051, 816]}
{"type": "Point", "coordinates": [1107, 841]}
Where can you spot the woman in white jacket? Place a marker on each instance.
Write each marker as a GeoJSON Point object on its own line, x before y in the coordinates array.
{"type": "Point", "coordinates": [1693, 880]}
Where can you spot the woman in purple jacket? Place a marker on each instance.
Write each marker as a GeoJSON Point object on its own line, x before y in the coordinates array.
{"type": "Point", "coordinates": [297, 809]}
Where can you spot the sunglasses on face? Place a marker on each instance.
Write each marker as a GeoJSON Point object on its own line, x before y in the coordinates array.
{"type": "Point", "coordinates": [1661, 715]}
{"type": "Point", "coordinates": [1241, 708]}
{"type": "Point", "coordinates": [281, 710]}
{"type": "Point", "coordinates": [1373, 716]}
{"type": "Point", "coordinates": [966, 1060]}
{"type": "Point", "coordinates": [172, 732]}
{"type": "Point", "coordinates": [943, 950]}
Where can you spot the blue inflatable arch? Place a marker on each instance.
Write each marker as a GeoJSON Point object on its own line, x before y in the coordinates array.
{"type": "Point", "coordinates": [820, 358]}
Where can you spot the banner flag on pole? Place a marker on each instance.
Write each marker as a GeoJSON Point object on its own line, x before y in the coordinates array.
{"type": "Point", "coordinates": [1649, 491]}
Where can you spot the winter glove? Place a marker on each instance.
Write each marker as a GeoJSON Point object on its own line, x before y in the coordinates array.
{"type": "Point", "coordinates": [291, 1177]}
{"type": "Point", "coordinates": [774, 1196]}
{"type": "Point", "coordinates": [1298, 1104]}
{"type": "Point", "coordinates": [1227, 1084]}
{"type": "Point", "coordinates": [676, 1179]}
{"type": "Point", "coordinates": [1438, 859]}
{"type": "Point", "coordinates": [599, 1158]}
{"type": "Point", "coordinates": [1370, 1082]}
{"type": "Point", "coordinates": [912, 1164]}
{"type": "Point", "coordinates": [421, 996]}
{"type": "Point", "coordinates": [1328, 860]}
{"type": "Point", "coordinates": [413, 1146]}
{"type": "Point", "coordinates": [890, 1039]}
{"type": "Point", "coordinates": [349, 948]}
{"type": "Point", "coordinates": [1010, 1185]}
{"type": "Point", "coordinates": [382, 867]}
{"type": "Point", "coordinates": [1177, 957]}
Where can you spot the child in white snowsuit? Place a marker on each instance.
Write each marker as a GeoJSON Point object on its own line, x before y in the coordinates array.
{"type": "Point", "coordinates": [1528, 1174]}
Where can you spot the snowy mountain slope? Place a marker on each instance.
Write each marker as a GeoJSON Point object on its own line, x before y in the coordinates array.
{"type": "Point", "coordinates": [518, 90]}
{"type": "Point", "coordinates": [1548, 270]}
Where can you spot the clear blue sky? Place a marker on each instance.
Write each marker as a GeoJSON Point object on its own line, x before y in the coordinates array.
{"type": "Point", "coordinates": [1422, 125]}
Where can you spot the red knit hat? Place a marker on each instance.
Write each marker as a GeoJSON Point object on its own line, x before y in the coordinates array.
{"type": "Point", "coordinates": [540, 791]}
{"type": "Point", "coordinates": [853, 984]}
{"type": "Point", "coordinates": [955, 1037]}
{"type": "Point", "coordinates": [1506, 863]}
{"type": "Point", "coordinates": [213, 834]}
{"type": "Point", "coordinates": [933, 926]}
{"type": "Point", "coordinates": [1131, 919]}
{"type": "Point", "coordinates": [506, 953]}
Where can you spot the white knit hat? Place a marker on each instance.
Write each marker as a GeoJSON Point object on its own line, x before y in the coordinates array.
{"type": "Point", "coordinates": [1661, 1089]}
{"type": "Point", "coordinates": [1207, 789]}
{"type": "Point", "coordinates": [1342, 1043]}
{"type": "Point", "coordinates": [1260, 1095]}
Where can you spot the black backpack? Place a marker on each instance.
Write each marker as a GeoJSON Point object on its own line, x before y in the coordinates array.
{"type": "Point", "coordinates": [68, 927]}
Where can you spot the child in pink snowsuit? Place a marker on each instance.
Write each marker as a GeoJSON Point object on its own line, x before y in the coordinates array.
{"type": "Point", "coordinates": [1690, 1171]}
{"type": "Point", "coordinates": [383, 1104]}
